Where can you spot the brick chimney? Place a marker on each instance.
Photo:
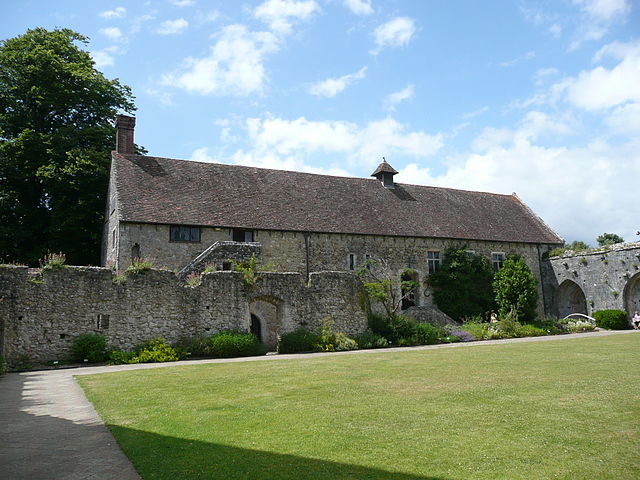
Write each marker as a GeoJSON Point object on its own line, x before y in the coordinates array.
{"type": "Point", "coordinates": [124, 134]}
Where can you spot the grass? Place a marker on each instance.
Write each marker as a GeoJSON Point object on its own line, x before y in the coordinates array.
{"type": "Point", "coordinates": [563, 409]}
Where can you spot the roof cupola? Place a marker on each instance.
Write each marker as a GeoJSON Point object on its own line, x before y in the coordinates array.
{"type": "Point", "coordinates": [384, 173]}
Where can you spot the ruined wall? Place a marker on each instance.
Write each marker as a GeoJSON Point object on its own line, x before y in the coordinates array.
{"type": "Point", "coordinates": [40, 314]}
{"type": "Point", "coordinates": [606, 278]}
{"type": "Point", "coordinates": [287, 251]}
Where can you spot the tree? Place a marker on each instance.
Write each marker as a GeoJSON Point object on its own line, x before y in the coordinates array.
{"type": "Point", "coordinates": [462, 287]}
{"type": "Point", "coordinates": [516, 288]}
{"type": "Point", "coordinates": [609, 239]}
{"type": "Point", "coordinates": [55, 141]}
{"type": "Point", "coordinates": [380, 285]}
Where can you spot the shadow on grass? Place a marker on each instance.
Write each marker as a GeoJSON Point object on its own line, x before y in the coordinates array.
{"type": "Point", "coordinates": [164, 457]}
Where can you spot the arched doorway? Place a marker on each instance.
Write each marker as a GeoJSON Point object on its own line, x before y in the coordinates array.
{"type": "Point", "coordinates": [632, 295]}
{"type": "Point", "coordinates": [409, 288]}
{"type": "Point", "coordinates": [570, 299]}
{"type": "Point", "coordinates": [256, 327]}
{"type": "Point", "coordinates": [265, 319]}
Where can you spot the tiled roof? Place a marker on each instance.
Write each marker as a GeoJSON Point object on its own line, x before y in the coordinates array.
{"type": "Point", "coordinates": [384, 167]}
{"type": "Point", "coordinates": [168, 191]}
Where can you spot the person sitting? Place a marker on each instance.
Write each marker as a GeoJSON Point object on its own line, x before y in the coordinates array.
{"type": "Point", "coordinates": [635, 321]}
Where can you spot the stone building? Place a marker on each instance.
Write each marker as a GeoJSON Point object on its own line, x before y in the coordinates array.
{"type": "Point", "coordinates": [185, 214]}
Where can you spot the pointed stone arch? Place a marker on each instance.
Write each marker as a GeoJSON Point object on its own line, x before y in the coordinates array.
{"type": "Point", "coordinates": [570, 299]}
{"type": "Point", "coordinates": [265, 318]}
{"type": "Point", "coordinates": [632, 295]}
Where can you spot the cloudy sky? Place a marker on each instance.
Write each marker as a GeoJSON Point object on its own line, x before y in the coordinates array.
{"type": "Point", "coordinates": [541, 98]}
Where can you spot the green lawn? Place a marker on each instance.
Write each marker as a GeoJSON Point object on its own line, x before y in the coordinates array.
{"type": "Point", "coordinates": [556, 409]}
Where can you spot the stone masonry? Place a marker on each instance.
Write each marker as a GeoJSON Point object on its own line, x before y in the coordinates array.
{"type": "Point", "coordinates": [41, 314]}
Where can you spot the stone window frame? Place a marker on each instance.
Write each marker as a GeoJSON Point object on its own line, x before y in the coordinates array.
{"type": "Point", "coordinates": [113, 239]}
{"type": "Point", "coordinates": [351, 262]}
{"type": "Point", "coordinates": [498, 262]}
{"type": "Point", "coordinates": [434, 263]}
{"type": "Point", "coordinates": [191, 230]}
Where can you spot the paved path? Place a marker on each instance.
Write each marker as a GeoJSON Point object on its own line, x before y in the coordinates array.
{"type": "Point", "coordinates": [49, 431]}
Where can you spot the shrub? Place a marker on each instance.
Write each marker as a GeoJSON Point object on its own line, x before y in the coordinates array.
{"type": "Point", "coordinates": [332, 341]}
{"type": "Point", "coordinates": [299, 340]}
{"type": "Point", "coordinates": [234, 344]}
{"type": "Point", "coordinates": [379, 324]}
{"type": "Point", "coordinates": [119, 357]}
{"type": "Point", "coordinates": [3, 367]}
{"type": "Point", "coordinates": [197, 346]}
{"type": "Point", "coordinates": [89, 347]}
{"type": "Point", "coordinates": [459, 334]}
{"type": "Point", "coordinates": [611, 319]}
{"type": "Point", "coordinates": [509, 326]}
{"type": "Point", "coordinates": [578, 326]}
{"type": "Point", "coordinates": [53, 261]}
{"type": "Point", "coordinates": [529, 330]}
{"type": "Point", "coordinates": [516, 287]}
{"type": "Point", "coordinates": [155, 350]}
{"type": "Point", "coordinates": [369, 339]}
{"type": "Point", "coordinates": [139, 265]}
{"type": "Point", "coordinates": [426, 334]}
{"type": "Point", "coordinates": [193, 279]}
{"type": "Point", "coordinates": [463, 285]}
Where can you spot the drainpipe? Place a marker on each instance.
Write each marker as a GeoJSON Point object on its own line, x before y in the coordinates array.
{"type": "Point", "coordinates": [307, 246]}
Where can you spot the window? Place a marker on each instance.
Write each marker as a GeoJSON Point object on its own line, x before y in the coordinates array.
{"type": "Point", "coordinates": [183, 233]}
{"type": "Point", "coordinates": [351, 261]}
{"type": "Point", "coordinates": [240, 235]}
{"type": "Point", "coordinates": [497, 258]}
{"type": "Point", "coordinates": [113, 239]}
{"type": "Point", "coordinates": [368, 260]}
{"type": "Point", "coordinates": [433, 261]}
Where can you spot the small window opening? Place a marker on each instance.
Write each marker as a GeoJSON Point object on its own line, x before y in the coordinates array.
{"type": "Point", "coordinates": [351, 261]}
{"type": "Point", "coordinates": [103, 322]}
{"type": "Point", "coordinates": [497, 259]}
{"type": "Point", "coordinates": [241, 235]}
{"type": "Point", "coordinates": [226, 266]}
{"type": "Point", "coordinates": [135, 252]}
{"type": "Point", "coordinates": [433, 261]}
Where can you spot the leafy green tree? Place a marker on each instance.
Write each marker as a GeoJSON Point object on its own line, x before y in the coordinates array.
{"type": "Point", "coordinates": [516, 288]}
{"type": "Point", "coordinates": [609, 239]}
{"type": "Point", "coordinates": [382, 286]}
{"type": "Point", "coordinates": [56, 136]}
{"type": "Point", "coordinates": [462, 288]}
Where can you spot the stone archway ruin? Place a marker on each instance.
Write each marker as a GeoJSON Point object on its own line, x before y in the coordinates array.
{"type": "Point", "coordinates": [570, 299]}
{"type": "Point", "coordinates": [265, 314]}
{"type": "Point", "coordinates": [632, 295]}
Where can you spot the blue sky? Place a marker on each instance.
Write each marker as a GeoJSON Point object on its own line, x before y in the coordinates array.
{"type": "Point", "coordinates": [541, 98]}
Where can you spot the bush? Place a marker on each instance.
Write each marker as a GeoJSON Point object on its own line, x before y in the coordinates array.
{"type": "Point", "coordinates": [53, 261]}
{"type": "Point", "coordinates": [3, 367]}
{"type": "Point", "coordinates": [529, 330]}
{"type": "Point", "coordinates": [463, 285]}
{"type": "Point", "coordinates": [460, 334]}
{"type": "Point", "coordinates": [196, 347]}
{"type": "Point", "coordinates": [89, 347]}
{"type": "Point", "coordinates": [369, 339]}
{"type": "Point", "coordinates": [139, 265]}
{"type": "Point", "coordinates": [379, 324]}
{"type": "Point", "coordinates": [509, 326]}
{"type": "Point", "coordinates": [235, 344]}
{"type": "Point", "coordinates": [611, 319]}
{"type": "Point", "coordinates": [155, 350]}
{"type": "Point", "coordinates": [516, 288]}
{"type": "Point", "coordinates": [119, 357]}
{"type": "Point", "coordinates": [579, 326]}
{"type": "Point", "coordinates": [300, 340]}
{"type": "Point", "coordinates": [426, 334]}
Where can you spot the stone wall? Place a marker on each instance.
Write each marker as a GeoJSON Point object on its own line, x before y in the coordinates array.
{"type": "Point", "coordinates": [594, 280]}
{"type": "Point", "coordinates": [312, 252]}
{"type": "Point", "coordinates": [41, 313]}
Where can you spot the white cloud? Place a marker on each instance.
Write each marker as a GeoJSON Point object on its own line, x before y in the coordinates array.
{"type": "Point", "coordinates": [555, 30]}
{"type": "Point", "coordinates": [171, 27]}
{"type": "Point", "coordinates": [625, 120]}
{"type": "Point", "coordinates": [475, 113]}
{"type": "Point", "coordinates": [113, 33]}
{"type": "Point", "coordinates": [183, 3]}
{"type": "Point", "coordinates": [394, 33]}
{"type": "Point", "coordinates": [577, 190]}
{"type": "Point", "coordinates": [393, 99]}
{"type": "Point", "coordinates": [359, 7]}
{"type": "Point", "coordinates": [543, 73]}
{"type": "Point", "coordinates": [362, 145]}
{"type": "Point", "coordinates": [601, 87]}
{"type": "Point", "coordinates": [330, 87]}
{"type": "Point", "coordinates": [117, 12]}
{"type": "Point", "coordinates": [234, 65]}
{"type": "Point", "coordinates": [597, 18]}
{"type": "Point", "coordinates": [106, 56]}
{"type": "Point", "coordinates": [522, 58]}
{"type": "Point", "coordinates": [280, 14]}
